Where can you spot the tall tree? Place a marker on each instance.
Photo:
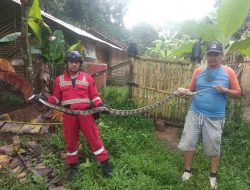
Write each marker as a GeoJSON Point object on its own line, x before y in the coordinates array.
{"type": "Point", "coordinates": [54, 7]}
{"type": "Point", "coordinates": [144, 35]}
{"type": "Point", "coordinates": [104, 15]}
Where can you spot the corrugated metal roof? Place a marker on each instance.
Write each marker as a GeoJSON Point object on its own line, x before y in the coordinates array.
{"type": "Point", "coordinates": [74, 29]}
{"type": "Point", "coordinates": [103, 36]}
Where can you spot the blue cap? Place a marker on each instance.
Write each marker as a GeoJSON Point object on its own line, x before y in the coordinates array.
{"type": "Point", "coordinates": [214, 47]}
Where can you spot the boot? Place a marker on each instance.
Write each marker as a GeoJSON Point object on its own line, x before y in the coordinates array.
{"type": "Point", "coordinates": [72, 172]}
{"type": "Point", "coordinates": [107, 172]}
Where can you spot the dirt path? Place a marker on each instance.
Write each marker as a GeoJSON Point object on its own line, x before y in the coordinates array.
{"type": "Point", "coordinates": [170, 135]}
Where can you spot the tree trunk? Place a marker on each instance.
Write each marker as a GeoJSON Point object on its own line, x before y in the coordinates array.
{"type": "Point", "coordinates": [29, 74]}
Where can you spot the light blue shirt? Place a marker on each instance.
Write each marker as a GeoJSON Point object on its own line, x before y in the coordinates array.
{"type": "Point", "coordinates": [210, 103]}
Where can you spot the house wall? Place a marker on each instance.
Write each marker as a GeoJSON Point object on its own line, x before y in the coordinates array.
{"type": "Point", "coordinates": [10, 22]}
{"type": "Point", "coordinates": [20, 69]}
{"type": "Point", "coordinates": [117, 56]}
{"type": "Point", "coordinates": [118, 76]}
{"type": "Point", "coordinates": [110, 56]}
{"type": "Point", "coordinates": [103, 54]}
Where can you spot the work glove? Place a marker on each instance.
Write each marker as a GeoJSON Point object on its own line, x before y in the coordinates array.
{"type": "Point", "coordinates": [104, 106]}
{"type": "Point", "coordinates": [39, 96]}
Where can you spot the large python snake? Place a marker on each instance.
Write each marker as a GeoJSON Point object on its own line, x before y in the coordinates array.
{"type": "Point", "coordinates": [122, 112]}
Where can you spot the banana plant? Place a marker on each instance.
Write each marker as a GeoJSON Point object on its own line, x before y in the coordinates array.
{"type": "Point", "coordinates": [56, 48]}
{"type": "Point", "coordinates": [242, 46]}
{"type": "Point", "coordinates": [220, 25]}
{"type": "Point", "coordinates": [172, 47]}
{"type": "Point", "coordinates": [51, 46]}
{"type": "Point", "coordinates": [158, 51]}
{"type": "Point", "coordinates": [77, 46]}
{"type": "Point", "coordinates": [53, 51]}
{"type": "Point", "coordinates": [39, 28]}
{"type": "Point", "coordinates": [80, 47]}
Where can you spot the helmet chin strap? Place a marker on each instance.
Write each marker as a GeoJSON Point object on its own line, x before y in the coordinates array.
{"type": "Point", "coordinates": [73, 76]}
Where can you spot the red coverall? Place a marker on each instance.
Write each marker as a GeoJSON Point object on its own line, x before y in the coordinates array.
{"type": "Point", "coordinates": [78, 97]}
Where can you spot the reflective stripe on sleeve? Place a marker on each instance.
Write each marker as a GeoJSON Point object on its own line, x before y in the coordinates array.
{"type": "Point", "coordinates": [74, 101]}
{"type": "Point", "coordinates": [99, 151]}
{"type": "Point", "coordinates": [61, 78]}
{"type": "Point", "coordinates": [72, 153]}
{"type": "Point", "coordinates": [96, 98]}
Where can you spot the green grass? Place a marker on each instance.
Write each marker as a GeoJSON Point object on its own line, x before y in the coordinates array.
{"type": "Point", "coordinates": [140, 161]}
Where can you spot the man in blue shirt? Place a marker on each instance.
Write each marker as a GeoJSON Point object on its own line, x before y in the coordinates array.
{"type": "Point", "coordinates": [206, 115]}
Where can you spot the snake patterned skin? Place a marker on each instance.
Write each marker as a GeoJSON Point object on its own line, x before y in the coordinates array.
{"type": "Point", "coordinates": [124, 112]}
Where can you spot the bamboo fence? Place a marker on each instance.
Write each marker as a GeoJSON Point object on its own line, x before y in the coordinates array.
{"type": "Point", "coordinates": [151, 80]}
{"type": "Point", "coordinates": [156, 79]}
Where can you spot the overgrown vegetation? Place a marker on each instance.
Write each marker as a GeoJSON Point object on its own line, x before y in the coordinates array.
{"type": "Point", "coordinates": [9, 99]}
{"type": "Point", "coordinates": [139, 160]}
{"type": "Point", "coordinates": [104, 15]}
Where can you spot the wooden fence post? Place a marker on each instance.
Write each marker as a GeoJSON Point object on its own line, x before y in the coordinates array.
{"type": "Point", "coordinates": [131, 77]}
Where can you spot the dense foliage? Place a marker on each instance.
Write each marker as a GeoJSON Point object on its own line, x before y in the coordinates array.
{"type": "Point", "coordinates": [10, 97]}
{"type": "Point", "coordinates": [106, 16]}
{"type": "Point", "coordinates": [222, 24]}
{"type": "Point", "coordinates": [144, 35]}
{"type": "Point", "coordinates": [7, 98]}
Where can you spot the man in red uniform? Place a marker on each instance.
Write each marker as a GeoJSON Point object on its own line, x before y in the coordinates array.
{"type": "Point", "coordinates": [76, 90]}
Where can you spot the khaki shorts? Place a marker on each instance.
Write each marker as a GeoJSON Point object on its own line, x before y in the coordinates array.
{"type": "Point", "coordinates": [210, 129]}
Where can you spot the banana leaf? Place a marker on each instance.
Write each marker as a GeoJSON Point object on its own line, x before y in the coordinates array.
{"type": "Point", "coordinates": [226, 21]}
{"type": "Point", "coordinates": [10, 38]}
{"type": "Point", "coordinates": [185, 48]}
{"type": "Point", "coordinates": [36, 23]}
{"type": "Point", "coordinates": [78, 46]}
{"type": "Point", "coordinates": [35, 50]}
{"type": "Point", "coordinates": [36, 29]}
{"type": "Point", "coordinates": [35, 10]}
{"type": "Point", "coordinates": [240, 45]}
{"type": "Point", "coordinates": [202, 29]}
{"type": "Point", "coordinates": [56, 46]}
{"type": "Point", "coordinates": [246, 51]}
{"type": "Point", "coordinates": [230, 17]}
